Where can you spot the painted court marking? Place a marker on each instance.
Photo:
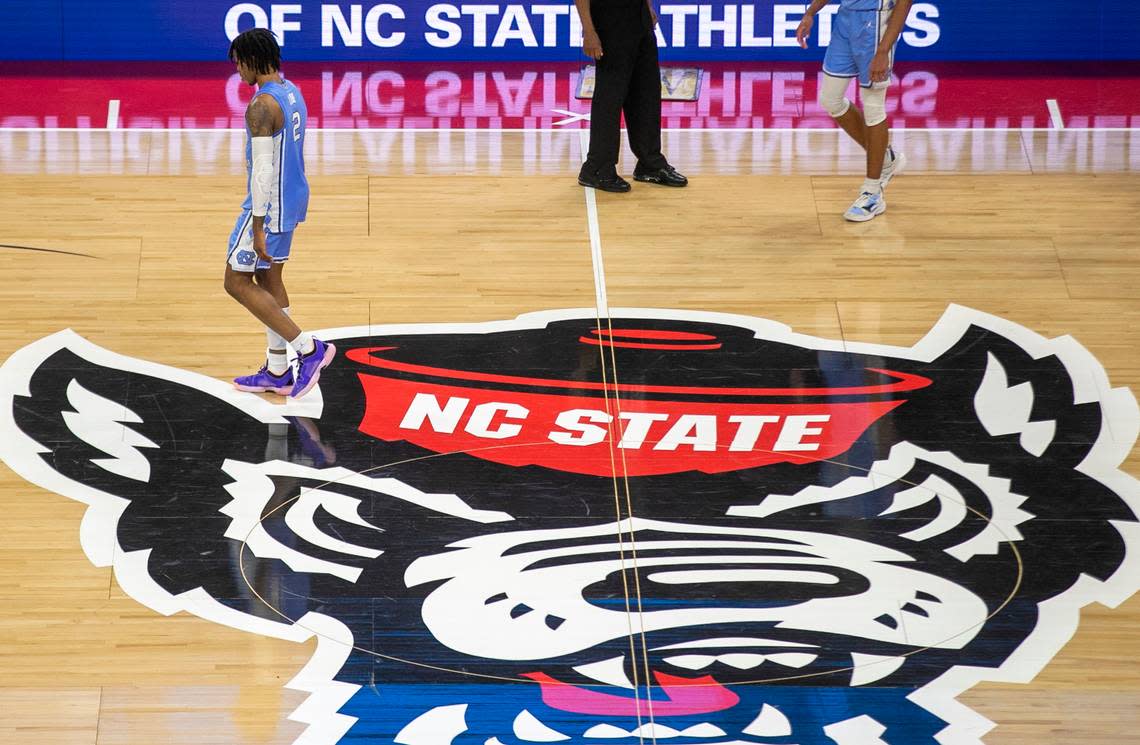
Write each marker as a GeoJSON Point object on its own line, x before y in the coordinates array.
{"type": "Point", "coordinates": [600, 296]}
{"type": "Point", "coordinates": [113, 114]}
{"type": "Point", "coordinates": [1055, 113]}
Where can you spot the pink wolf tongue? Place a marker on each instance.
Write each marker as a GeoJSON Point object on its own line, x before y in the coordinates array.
{"type": "Point", "coordinates": [675, 697]}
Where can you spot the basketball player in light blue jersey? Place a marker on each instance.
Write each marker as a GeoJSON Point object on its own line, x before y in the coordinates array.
{"type": "Point", "coordinates": [276, 200]}
{"type": "Point", "coordinates": [863, 38]}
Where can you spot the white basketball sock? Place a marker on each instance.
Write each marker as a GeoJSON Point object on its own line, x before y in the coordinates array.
{"type": "Point", "coordinates": [303, 344]}
{"type": "Point", "coordinates": [872, 186]}
{"type": "Point", "coordinates": [277, 360]}
{"type": "Point", "coordinates": [276, 350]}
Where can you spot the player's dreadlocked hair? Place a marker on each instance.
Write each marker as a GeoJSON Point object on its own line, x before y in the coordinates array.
{"type": "Point", "coordinates": [257, 49]}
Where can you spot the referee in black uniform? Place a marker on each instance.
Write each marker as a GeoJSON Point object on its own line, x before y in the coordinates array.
{"type": "Point", "coordinates": [619, 36]}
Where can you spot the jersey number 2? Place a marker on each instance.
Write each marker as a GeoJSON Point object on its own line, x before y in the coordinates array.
{"type": "Point", "coordinates": [296, 126]}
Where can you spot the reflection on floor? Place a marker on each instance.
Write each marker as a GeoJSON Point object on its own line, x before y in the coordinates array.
{"type": "Point", "coordinates": [96, 152]}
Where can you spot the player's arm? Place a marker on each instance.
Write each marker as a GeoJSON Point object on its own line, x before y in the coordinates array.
{"type": "Point", "coordinates": [803, 31]}
{"type": "Point", "coordinates": [880, 65]}
{"type": "Point", "coordinates": [591, 43]}
{"type": "Point", "coordinates": [263, 117]}
{"type": "Point", "coordinates": [652, 12]}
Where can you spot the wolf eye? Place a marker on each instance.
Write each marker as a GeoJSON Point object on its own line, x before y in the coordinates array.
{"type": "Point", "coordinates": [970, 511]}
{"type": "Point", "coordinates": [951, 507]}
{"type": "Point", "coordinates": [976, 513]}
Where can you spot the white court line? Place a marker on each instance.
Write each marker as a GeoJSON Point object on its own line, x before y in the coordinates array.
{"type": "Point", "coordinates": [601, 299]}
{"type": "Point", "coordinates": [571, 117]}
{"type": "Point", "coordinates": [113, 114]}
{"type": "Point", "coordinates": [1055, 113]}
{"type": "Point", "coordinates": [489, 130]}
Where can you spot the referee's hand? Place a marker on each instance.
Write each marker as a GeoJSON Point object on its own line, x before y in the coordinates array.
{"type": "Point", "coordinates": [592, 45]}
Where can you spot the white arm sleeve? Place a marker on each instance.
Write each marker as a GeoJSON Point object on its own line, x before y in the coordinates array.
{"type": "Point", "coordinates": [261, 179]}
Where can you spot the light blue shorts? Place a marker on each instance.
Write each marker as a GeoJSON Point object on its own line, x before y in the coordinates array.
{"type": "Point", "coordinates": [242, 258]}
{"type": "Point", "coordinates": [855, 36]}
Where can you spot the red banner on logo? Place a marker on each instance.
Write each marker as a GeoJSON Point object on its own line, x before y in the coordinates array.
{"type": "Point", "coordinates": [602, 433]}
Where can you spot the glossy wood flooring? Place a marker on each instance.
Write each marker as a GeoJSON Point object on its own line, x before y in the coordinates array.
{"type": "Point", "coordinates": [411, 228]}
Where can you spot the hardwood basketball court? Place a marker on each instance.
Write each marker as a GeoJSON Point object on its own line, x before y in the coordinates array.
{"type": "Point", "coordinates": [120, 236]}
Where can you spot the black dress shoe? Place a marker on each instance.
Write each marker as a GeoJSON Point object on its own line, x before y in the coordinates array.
{"type": "Point", "coordinates": [614, 182]}
{"type": "Point", "coordinates": [666, 176]}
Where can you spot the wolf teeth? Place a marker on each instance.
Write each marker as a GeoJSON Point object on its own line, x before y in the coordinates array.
{"type": "Point", "coordinates": [770, 722]}
{"type": "Point", "coordinates": [871, 667]}
{"type": "Point", "coordinates": [528, 727]}
{"type": "Point", "coordinates": [611, 672]}
{"type": "Point", "coordinates": [742, 661]}
{"type": "Point", "coordinates": [862, 730]}
{"type": "Point", "coordinates": [731, 641]}
{"type": "Point", "coordinates": [438, 726]}
{"type": "Point", "coordinates": [654, 731]}
{"type": "Point", "coordinates": [692, 661]}
{"type": "Point", "coordinates": [793, 659]}
{"type": "Point", "coordinates": [704, 729]}
{"type": "Point", "coordinates": [606, 732]}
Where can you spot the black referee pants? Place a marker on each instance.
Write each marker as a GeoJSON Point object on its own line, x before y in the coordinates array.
{"type": "Point", "coordinates": [628, 80]}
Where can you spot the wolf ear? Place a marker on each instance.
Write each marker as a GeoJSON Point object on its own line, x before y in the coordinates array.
{"type": "Point", "coordinates": [1033, 394]}
{"type": "Point", "coordinates": [143, 446]}
{"type": "Point", "coordinates": [1041, 412]}
{"type": "Point", "coordinates": [140, 443]}
{"type": "Point", "coordinates": [1032, 399]}
{"type": "Point", "coordinates": [124, 427]}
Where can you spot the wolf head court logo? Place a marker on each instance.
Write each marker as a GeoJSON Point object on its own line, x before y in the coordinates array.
{"type": "Point", "coordinates": [673, 526]}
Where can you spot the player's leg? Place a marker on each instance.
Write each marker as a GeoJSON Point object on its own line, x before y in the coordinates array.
{"type": "Point", "coordinates": [880, 168]}
{"type": "Point", "coordinates": [260, 303]}
{"type": "Point", "coordinates": [880, 157]}
{"type": "Point", "coordinates": [273, 280]}
{"type": "Point", "coordinates": [241, 265]}
{"type": "Point", "coordinates": [313, 355]}
{"type": "Point", "coordinates": [276, 346]}
{"type": "Point", "coordinates": [871, 201]}
{"type": "Point", "coordinates": [853, 122]}
{"type": "Point", "coordinates": [840, 67]}
{"type": "Point", "coordinates": [883, 162]}
{"type": "Point", "coordinates": [877, 129]}
{"type": "Point", "coordinates": [833, 100]}
{"type": "Point", "coordinates": [241, 287]}
{"type": "Point", "coordinates": [242, 262]}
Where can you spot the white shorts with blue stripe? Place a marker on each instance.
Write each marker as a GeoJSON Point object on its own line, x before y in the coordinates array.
{"type": "Point", "coordinates": [242, 258]}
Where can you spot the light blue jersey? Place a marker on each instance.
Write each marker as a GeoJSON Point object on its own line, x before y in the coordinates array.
{"type": "Point", "coordinates": [289, 194]}
{"type": "Point", "coordinates": [866, 4]}
{"type": "Point", "coordinates": [855, 34]}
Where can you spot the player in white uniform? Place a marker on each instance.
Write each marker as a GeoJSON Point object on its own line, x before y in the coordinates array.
{"type": "Point", "coordinates": [864, 34]}
{"type": "Point", "coordinates": [277, 200]}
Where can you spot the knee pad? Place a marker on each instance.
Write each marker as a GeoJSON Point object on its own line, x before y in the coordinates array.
{"type": "Point", "coordinates": [831, 97]}
{"type": "Point", "coordinates": [874, 105]}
